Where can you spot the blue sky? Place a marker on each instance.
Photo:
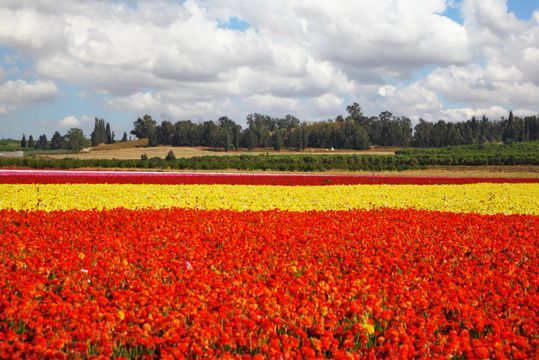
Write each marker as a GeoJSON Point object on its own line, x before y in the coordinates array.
{"type": "Point", "coordinates": [200, 60]}
{"type": "Point", "coordinates": [523, 8]}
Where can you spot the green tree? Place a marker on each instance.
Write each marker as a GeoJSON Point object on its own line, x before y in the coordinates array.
{"type": "Point", "coordinates": [145, 127]}
{"type": "Point", "coordinates": [165, 133]}
{"type": "Point", "coordinates": [278, 139]}
{"type": "Point", "coordinates": [31, 142]}
{"type": "Point", "coordinates": [99, 135]}
{"type": "Point", "coordinates": [75, 140]}
{"type": "Point", "coordinates": [170, 156]}
{"type": "Point", "coordinates": [23, 141]}
{"type": "Point", "coordinates": [124, 137]}
{"type": "Point", "coordinates": [211, 134]}
{"type": "Point", "coordinates": [57, 141]}
{"type": "Point", "coordinates": [355, 111]}
{"type": "Point", "coordinates": [42, 142]}
{"type": "Point", "coordinates": [109, 134]}
{"type": "Point", "coordinates": [230, 133]}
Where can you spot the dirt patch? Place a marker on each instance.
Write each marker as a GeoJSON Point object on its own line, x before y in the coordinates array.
{"type": "Point", "coordinates": [133, 150]}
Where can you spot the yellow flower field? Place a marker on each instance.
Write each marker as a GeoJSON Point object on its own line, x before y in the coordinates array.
{"type": "Point", "coordinates": [483, 198]}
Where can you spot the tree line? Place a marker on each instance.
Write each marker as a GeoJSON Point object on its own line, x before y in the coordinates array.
{"type": "Point", "coordinates": [354, 131]}
{"type": "Point", "coordinates": [74, 140]}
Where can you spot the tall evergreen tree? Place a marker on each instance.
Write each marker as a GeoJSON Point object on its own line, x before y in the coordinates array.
{"type": "Point", "coordinates": [57, 141]}
{"type": "Point", "coordinates": [23, 141]}
{"type": "Point", "coordinates": [108, 134]}
{"type": "Point", "coordinates": [31, 142]}
{"type": "Point", "coordinates": [99, 135]}
{"type": "Point", "coordinates": [42, 142]}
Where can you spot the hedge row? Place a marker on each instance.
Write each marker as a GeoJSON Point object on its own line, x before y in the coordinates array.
{"type": "Point", "coordinates": [400, 161]}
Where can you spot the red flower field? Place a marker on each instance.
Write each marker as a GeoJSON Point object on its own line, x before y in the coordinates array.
{"type": "Point", "coordinates": [134, 177]}
{"type": "Point", "coordinates": [185, 283]}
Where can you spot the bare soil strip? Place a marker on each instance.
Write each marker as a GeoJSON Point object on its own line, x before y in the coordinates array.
{"type": "Point", "coordinates": [102, 152]}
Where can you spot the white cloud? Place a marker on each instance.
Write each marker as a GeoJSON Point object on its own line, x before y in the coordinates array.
{"type": "Point", "coordinates": [386, 90]}
{"type": "Point", "coordinates": [328, 101]}
{"type": "Point", "coordinates": [309, 57]}
{"type": "Point", "coordinates": [69, 122]}
{"type": "Point", "coordinates": [460, 114]}
{"type": "Point", "coordinates": [493, 84]}
{"type": "Point", "coordinates": [269, 102]}
{"type": "Point", "coordinates": [167, 106]}
{"type": "Point", "coordinates": [165, 46]}
{"type": "Point", "coordinates": [18, 93]}
{"type": "Point", "coordinates": [490, 18]}
{"type": "Point", "coordinates": [414, 101]}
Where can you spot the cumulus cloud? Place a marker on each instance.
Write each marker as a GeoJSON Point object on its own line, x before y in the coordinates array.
{"type": "Point", "coordinates": [414, 101]}
{"type": "Point", "coordinates": [386, 90]}
{"type": "Point", "coordinates": [310, 57]}
{"type": "Point", "coordinates": [167, 105]}
{"type": "Point", "coordinates": [328, 102]}
{"type": "Point", "coordinates": [271, 102]}
{"type": "Point", "coordinates": [18, 93]}
{"type": "Point", "coordinates": [69, 122]}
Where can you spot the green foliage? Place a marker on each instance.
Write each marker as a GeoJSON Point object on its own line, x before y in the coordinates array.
{"type": "Point", "coordinates": [10, 145]}
{"type": "Point", "coordinates": [145, 127]}
{"type": "Point", "coordinates": [102, 133]}
{"type": "Point", "coordinates": [473, 155]}
{"type": "Point", "coordinates": [170, 156]}
{"type": "Point", "coordinates": [42, 143]}
{"type": "Point", "coordinates": [75, 140]}
{"type": "Point", "coordinates": [57, 141]}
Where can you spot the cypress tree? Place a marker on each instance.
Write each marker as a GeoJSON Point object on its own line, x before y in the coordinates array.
{"type": "Point", "coordinates": [108, 134]}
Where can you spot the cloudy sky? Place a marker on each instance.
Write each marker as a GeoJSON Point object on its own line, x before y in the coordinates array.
{"type": "Point", "coordinates": [64, 62]}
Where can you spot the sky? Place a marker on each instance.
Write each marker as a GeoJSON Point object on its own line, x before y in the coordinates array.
{"type": "Point", "coordinates": [63, 63]}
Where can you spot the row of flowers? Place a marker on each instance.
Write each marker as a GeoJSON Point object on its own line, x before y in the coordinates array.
{"type": "Point", "coordinates": [187, 283]}
{"type": "Point", "coordinates": [484, 198]}
{"type": "Point", "coordinates": [132, 177]}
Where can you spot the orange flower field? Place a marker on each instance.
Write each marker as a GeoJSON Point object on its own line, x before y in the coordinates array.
{"type": "Point", "coordinates": [207, 271]}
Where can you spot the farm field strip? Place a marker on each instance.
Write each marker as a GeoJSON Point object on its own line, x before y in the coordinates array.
{"type": "Point", "coordinates": [231, 178]}
{"type": "Point", "coordinates": [188, 283]}
{"type": "Point", "coordinates": [484, 198]}
{"type": "Point", "coordinates": [113, 268]}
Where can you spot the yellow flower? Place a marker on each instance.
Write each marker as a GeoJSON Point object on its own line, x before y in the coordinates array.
{"type": "Point", "coordinates": [368, 328]}
{"type": "Point", "coordinates": [483, 198]}
{"type": "Point", "coordinates": [324, 311]}
{"type": "Point", "coordinates": [120, 315]}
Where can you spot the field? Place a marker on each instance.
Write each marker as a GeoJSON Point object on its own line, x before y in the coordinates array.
{"type": "Point", "coordinates": [521, 158]}
{"type": "Point", "coordinates": [135, 150]}
{"type": "Point", "coordinates": [232, 265]}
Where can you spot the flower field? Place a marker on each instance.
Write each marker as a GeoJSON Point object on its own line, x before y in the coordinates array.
{"type": "Point", "coordinates": [155, 268]}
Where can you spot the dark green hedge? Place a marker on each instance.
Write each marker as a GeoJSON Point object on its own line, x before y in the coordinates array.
{"type": "Point", "coordinates": [282, 162]}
